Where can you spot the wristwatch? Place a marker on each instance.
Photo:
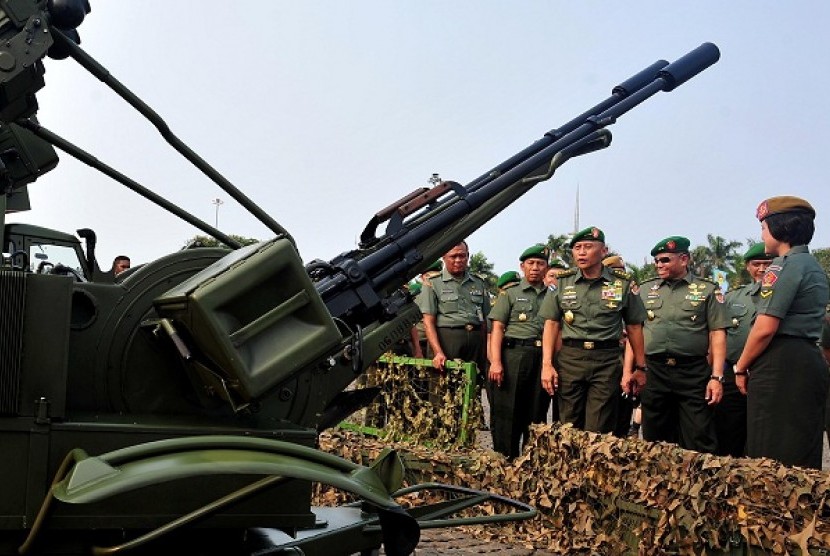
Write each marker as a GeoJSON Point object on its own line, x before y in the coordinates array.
{"type": "Point", "coordinates": [716, 377]}
{"type": "Point", "coordinates": [739, 372]}
{"type": "Point", "coordinates": [640, 368]}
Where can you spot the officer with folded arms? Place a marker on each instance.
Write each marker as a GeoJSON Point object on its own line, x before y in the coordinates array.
{"type": "Point", "coordinates": [686, 320]}
{"type": "Point", "coordinates": [591, 305]}
{"type": "Point", "coordinates": [516, 353]}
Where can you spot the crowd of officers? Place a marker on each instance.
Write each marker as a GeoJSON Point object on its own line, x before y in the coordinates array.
{"type": "Point", "coordinates": [741, 373]}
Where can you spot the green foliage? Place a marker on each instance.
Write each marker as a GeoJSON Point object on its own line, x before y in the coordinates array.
{"type": "Point", "coordinates": [823, 257]}
{"type": "Point", "coordinates": [717, 254]}
{"type": "Point", "coordinates": [480, 266]}
{"type": "Point", "coordinates": [559, 249]}
{"type": "Point", "coordinates": [207, 241]}
{"type": "Point", "coordinates": [642, 273]}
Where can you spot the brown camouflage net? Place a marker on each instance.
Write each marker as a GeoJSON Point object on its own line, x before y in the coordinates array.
{"type": "Point", "coordinates": [602, 495]}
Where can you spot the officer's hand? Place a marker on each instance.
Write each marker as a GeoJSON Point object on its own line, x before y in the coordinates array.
{"type": "Point", "coordinates": [496, 373]}
{"type": "Point", "coordinates": [439, 360]}
{"type": "Point", "coordinates": [741, 382]}
{"type": "Point", "coordinates": [638, 381]}
{"type": "Point", "coordinates": [714, 392]}
{"type": "Point", "coordinates": [550, 379]}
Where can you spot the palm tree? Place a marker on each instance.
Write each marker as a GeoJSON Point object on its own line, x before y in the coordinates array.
{"type": "Point", "coordinates": [718, 254]}
{"type": "Point", "coordinates": [642, 273]}
{"type": "Point", "coordinates": [559, 246]}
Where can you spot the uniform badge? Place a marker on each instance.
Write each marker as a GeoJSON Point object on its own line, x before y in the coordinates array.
{"type": "Point", "coordinates": [766, 293]}
{"type": "Point", "coordinates": [522, 317]}
{"type": "Point", "coordinates": [769, 279]}
{"type": "Point", "coordinates": [569, 317]}
{"type": "Point", "coordinates": [650, 314]}
{"type": "Point", "coordinates": [655, 287]}
{"type": "Point", "coordinates": [694, 318]}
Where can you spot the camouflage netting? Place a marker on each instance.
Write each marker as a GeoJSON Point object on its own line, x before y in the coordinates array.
{"type": "Point", "coordinates": [603, 495]}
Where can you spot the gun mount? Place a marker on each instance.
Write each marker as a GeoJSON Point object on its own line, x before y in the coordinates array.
{"type": "Point", "coordinates": [199, 381]}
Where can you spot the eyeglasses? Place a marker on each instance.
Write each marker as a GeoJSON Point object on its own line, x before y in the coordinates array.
{"type": "Point", "coordinates": [662, 260]}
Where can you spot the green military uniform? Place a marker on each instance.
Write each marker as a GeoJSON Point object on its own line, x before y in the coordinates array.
{"type": "Point", "coordinates": [517, 307]}
{"type": "Point", "coordinates": [730, 413]}
{"type": "Point", "coordinates": [787, 389]}
{"type": "Point", "coordinates": [593, 312]}
{"type": "Point", "coordinates": [680, 315]}
{"type": "Point", "coordinates": [460, 307]}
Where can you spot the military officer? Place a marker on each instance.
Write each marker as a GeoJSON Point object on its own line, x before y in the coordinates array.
{"type": "Point", "coordinates": [455, 305]}
{"type": "Point", "coordinates": [515, 353]}
{"type": "Point", "coordinates": [420, 348]}
{"type": "Point", "coordinates": [730, 413]}
{"type": "Point", "coordinates": [686, 321]}
{"type": "Point", "coordinates": [787, 381]}
{"type": "Point", "coordinates": [590, 306]}
{"type": "Point", "coordinates": [554, 268]}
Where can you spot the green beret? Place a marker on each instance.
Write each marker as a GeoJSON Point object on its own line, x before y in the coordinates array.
{"type": "Point", "coordinates": [588, 234]}
{"type": "Point", "coordinates": [437, 265]}
{"type": "Point", "coordinates": [785, 203]}
{"type": "Point", "coordinates": [673, 244]}
{"type": "Point", "coordinates": [508, 277]}
{"type": "Point", "coordinates": [558, 263]}
{"type": "Point", "coordinates": [538, 251]}
{"type": "Point", "coordinates": [757, 252]}
{"type": "Point", "coordinates": [414, 288]}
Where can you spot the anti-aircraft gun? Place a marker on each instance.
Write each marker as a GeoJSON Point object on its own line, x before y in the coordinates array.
{"type": "Point", "coordinates": [177, 406]}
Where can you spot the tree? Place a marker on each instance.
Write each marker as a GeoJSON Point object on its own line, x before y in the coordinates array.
{"type": "Point", "coordinates": [207, 241]}
{"type": "Point", "coordinates": [719, 253]}
{"type": "Point", "coordinates": [823, 257]}
{"type": "Point", "coordinates": [559, 246]}
{"type": "Point", "coordinates": [480, 266]}
{"type": "Point", "coordinates": [642, 273]}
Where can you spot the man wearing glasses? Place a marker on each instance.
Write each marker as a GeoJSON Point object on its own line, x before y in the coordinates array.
{"type": "Point", "coordinates": [590, 306]}
{"type": "Point", "coordinates": [686, 321]}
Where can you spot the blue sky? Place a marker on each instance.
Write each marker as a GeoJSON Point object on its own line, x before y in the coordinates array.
{"type": "Point", "coordinates": [325, 112]}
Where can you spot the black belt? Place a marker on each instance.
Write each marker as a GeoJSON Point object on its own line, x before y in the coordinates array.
{"type": "Point", "coordinates": [592, 344]}
{"type": "Point", "coordinates": [513, 342]}
{"type": "Point", "coordinates": [673, 360]}
{"type": "Point", "coordinates": [791, 337]}
{"type": "Point", "coordinates": [467, 327]}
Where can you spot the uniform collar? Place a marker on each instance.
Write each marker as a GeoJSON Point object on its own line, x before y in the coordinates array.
{"type": "Point", "coordinates": [525, 285]}
{"type": "Point", "coordinates": [446, 276]}
{"type": "Point", "coordinates": [797, 249]}
{"type": "Point", "coordinates": [605, 273]}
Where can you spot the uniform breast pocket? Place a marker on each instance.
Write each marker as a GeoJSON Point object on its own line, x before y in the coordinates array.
{"type": "Point", "coordinates": [573, 305]}
{"type": "Point", "coordinates": [477, 299]}
{"type": "Point", "coordinates": [653, 307]}
{"type": "Point", "coordinates": [694, 309]}
{"type": "Point", "coordinates": [521, 311]}
{"type": "Point", "coordinates": [449, 302]}
{"type": "Point", "coordinates": [737, 312]}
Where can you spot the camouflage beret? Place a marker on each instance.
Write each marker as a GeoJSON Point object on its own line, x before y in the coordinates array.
{"type": "Point", "coordinates": [558, 263]}
{"type": "Point", "coordinates": [785, 203]}
{"type": "Point", "coordinates": [414, 288]}
{"type": "Point", "coordinates": [673, 244]}
{"type": "Point", "coordinates": [756, 252]}
{"type": "Point", "coordinates": [614, 261]}
{"type": "Point", "coordinates": [437, 265]}
{"type": "Point", "coordinates": [508, 277]}
{"type": "Point", "coordinates": [537, 251]}
{"type": "Point", "coordinates": [588, 234]}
